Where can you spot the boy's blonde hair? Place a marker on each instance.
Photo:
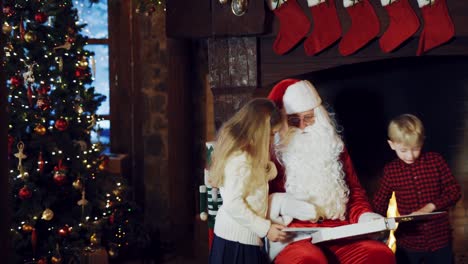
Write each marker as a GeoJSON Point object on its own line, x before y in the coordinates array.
{"type": "Point", "coordinates": [406, 129]}
{"type": "Point", "coordinates": [249, 130]}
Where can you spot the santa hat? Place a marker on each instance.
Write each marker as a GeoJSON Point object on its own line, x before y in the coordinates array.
{"type": "Point", "coordinates": [295, 96]}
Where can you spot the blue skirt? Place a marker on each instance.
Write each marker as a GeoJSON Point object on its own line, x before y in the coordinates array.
{"type": "Point", "coordinates": [229, 252]}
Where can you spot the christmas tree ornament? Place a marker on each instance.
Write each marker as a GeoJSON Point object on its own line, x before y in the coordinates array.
{"type": "Point", "coordinates": [61, 124]}
{"type": "Point", "coordinates": [11, 140]}
{"type": "Point", "coordinates": [40, 17]}
{"type": "Point", "coordinates": [16, 81]}
{"type": "Point", "coordinates": [20, 156]}
{"type": "Point", "coordinates": [438, 26]}
{"type": "Point", "coordinates": [403, 24]}
{"type": "Point", "coordinates": [29, 94]}
{"type": "Point", "coordinates": [103, 162]}
{"type": "Point", "coordinates": [365, 26]}
{"type": "Point", "coordinates": [83, 63]}
{"type": "Point", "coordinates": [40, 129]}
{"type": "Point", "coordinates": [21, 29]}
{"type": "Point", "coordinates": [57, 257]}
{"type": "Point", "coordinates": [94, 239]}
{"type": "Point", "coordinates": [238, 7]}
{"type": "Point", "coordinates": [83, 200]}
{"type": "Point", "coordinates": [293, 25]}
{"type": "Point", "coordinates": [77, 184]}
{"type": "Point", "coordinates": [59, 61]}
{"type": "Point", "coordinates": [113, 250]}
{"type": "Point", "coordinates": [60, 173]}
{"type": "Point", "coordinates": [8, 11]}
{"type": "Point", "coordinates": [64, 231]}
{"type": "Point", "coordinates": [24, 193]}
{"type": "Point", "coordinates": [28, 75]}
{"type": "Point", "coordinates": [56, 260]}
{"type": "Point", "coordinates": [66, 46]}
{"type": "Point", "coordinates": [47, 214]}
{"type": "Point", "coordinates": [6, 28]}
{"type": "Point", "coordinates": [30, 37]}
{"type": "Point", "coordinates": [43, 102]}
{"type": "Point", "coordinates": [27, 228]}
{"type": "Point", "coordinates": [40, 162]}
{"type": "Point", "coordinates": [42, 261]}
{"type": "Point", "coordinates": [327, 27]}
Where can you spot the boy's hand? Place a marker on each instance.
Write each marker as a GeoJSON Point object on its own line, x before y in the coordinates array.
{"type": "Point", "coordinates": [428, 208]}
{"type": "Point", "coordinates": [275, 234]}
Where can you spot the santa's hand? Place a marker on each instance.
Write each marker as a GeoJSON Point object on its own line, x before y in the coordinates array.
{"type": "Point", "coordinates": [368, 217]}
{"type": "Point", "coordinates": [298, 209]}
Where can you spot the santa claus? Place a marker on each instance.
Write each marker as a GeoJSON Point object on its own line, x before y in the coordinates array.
{"type": "Point", "coordinates": [317, 185]}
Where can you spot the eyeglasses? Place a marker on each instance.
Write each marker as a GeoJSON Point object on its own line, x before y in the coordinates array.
{"type": "Point", "coordinates": [295, 120]}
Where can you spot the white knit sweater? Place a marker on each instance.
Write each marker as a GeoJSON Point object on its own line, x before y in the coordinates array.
{"type": "Point", "coordinates": [242, 217]}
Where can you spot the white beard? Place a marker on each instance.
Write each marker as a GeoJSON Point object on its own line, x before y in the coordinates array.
{"type": "Point", "coordinates": [314, 171]}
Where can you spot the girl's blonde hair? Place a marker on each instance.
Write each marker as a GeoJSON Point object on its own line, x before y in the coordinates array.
{"type": "Point", "coordinates": [406, 129]}
{"type": "Point", "coordinates": [249, 130]}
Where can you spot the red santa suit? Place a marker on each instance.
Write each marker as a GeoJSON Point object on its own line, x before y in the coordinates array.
{"type": "Point", "coordinates": [344, 202]}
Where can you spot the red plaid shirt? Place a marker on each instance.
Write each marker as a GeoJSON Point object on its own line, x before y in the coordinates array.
{"type": "Point", "coordinates": [427, 180]}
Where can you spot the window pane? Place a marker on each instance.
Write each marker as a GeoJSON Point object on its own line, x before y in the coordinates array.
{"type": "Point", "coordinates": [101, 78]}
{"type": "Point", "coordinates": [95, 16]}
{"type": "Point", "coordinates": [102, 135]}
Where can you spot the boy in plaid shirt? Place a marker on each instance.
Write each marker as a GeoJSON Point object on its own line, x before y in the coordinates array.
{"type": "Point", "coordinates": [422, 183]}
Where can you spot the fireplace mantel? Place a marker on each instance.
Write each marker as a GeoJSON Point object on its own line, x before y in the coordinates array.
{"type": "Point", "coordinates": [230, 38]}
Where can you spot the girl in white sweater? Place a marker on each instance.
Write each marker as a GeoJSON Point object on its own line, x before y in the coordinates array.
{"type": "Point", "coordinates": [241, 169]}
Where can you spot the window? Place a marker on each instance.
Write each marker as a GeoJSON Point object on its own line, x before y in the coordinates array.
{"type": "Point", "coordinates": [97, 30]}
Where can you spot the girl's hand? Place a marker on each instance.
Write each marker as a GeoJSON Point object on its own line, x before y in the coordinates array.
{"type": "Point", "coordinates": [275, 234]}
{"type": "Point", "coordinates": [428, 208]}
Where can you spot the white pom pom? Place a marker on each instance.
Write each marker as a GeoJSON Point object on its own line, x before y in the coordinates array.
{"type": "Point", "coordinates": [204, 216]}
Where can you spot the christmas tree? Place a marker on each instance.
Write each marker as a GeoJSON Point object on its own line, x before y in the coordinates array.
{"type": "Point", "coordinates": [64, 202]}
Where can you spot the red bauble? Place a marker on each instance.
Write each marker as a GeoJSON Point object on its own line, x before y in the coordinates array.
{"type": "Point", "coordinates": [42, 261]}
{"type": "Point", "coordinates": [61, 124]}
{"type": "Point", "coordinates": [65, 231]}
{"type": "Point", "coordinates": [24, 193]}
{"type": "Point", "coordinates": [59, 177]}
{"type": "Point", "coordinates": [11, 140]}
{"type": "Point", "coordinates": [16, 81]}
{"type": "Point", "coordinates": [40, 17]}
{"type": "Point", "coordinates": [80, 73]}
{"type": "Point", "coordinates": [43, 103]}
{"type": "Point", "coordinates": [8, 11]}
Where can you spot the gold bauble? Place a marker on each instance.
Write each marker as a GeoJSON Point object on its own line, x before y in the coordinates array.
{"type": "Point", "coordinates": [40, 129]}
{"type": "Point", "coordinates": [6, 28]}
{"type": "Point", "coordinates": [47, 214]}
{"type": "Point", "coordinates": [30, 37]}
{"type": "Point", "coordinates": [56, 260]}
{"type": "Point", "coordinates": [94, 239]}
{"type": "Point", "coordinates": [27, 228]}
{"type": "Point", "coordinates": [83, 63]}
{"type": "Point", "coordinates": [78, 184]}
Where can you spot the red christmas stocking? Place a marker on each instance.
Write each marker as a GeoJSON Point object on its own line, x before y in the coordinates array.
{"type": "Point", "coordinates": [327, 27]}
{"type": "Point", "coordinates": [364, 26]}
{"type": "Point", "coordinates": [294, 26]}
{"type": "Point", "coordinates": [438, 26]}
{"type": "Point", "coordinates": [403, 24]}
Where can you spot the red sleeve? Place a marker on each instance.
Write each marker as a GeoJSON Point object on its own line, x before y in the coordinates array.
{"type": "Point", "coordinates": [277, 184]}
{"type": "Point", "coordinates": [358, 202]}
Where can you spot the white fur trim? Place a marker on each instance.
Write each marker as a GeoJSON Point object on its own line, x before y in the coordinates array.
{"type": "Point", "coordinates": [300, 97]}
{"type": "Point", "coordinates": [275, 202]}
{"type": "Point", "coordinates": [422, 3]}
{"type": "Point", "coordinates": [314, 2]}
{"type": "Point", "coordinates": [368, 217]}
{"type": "Point", "coordinates": [387, 2]}
{"type": "Point", "coordinates": [348, 3]}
